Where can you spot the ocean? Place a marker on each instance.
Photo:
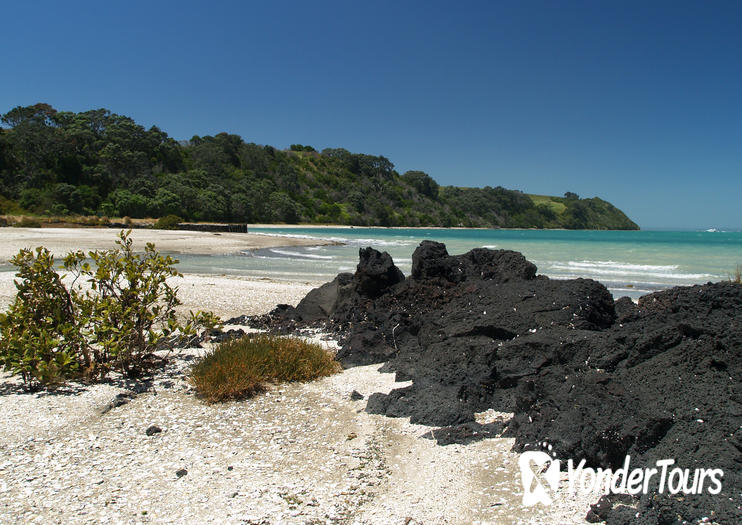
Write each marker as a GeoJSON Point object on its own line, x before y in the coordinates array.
{"type": "Point", "coordinates": [631, 263]}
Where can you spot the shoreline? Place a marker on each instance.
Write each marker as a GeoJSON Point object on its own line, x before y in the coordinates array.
{"type": "Point", "coordinates": [60, 241]}
{"type": "Point", "coordinates": [352, 227]}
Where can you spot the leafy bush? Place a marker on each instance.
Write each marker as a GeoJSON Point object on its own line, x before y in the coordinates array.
{"type": "Point", "coordinates": [168, 222]}
{"type": "Point", "coordinates": [240, 368]}
{"type": "Point", "coordinates": [40, 335]}
{"type": "Point", "coordinates": [53, 332]}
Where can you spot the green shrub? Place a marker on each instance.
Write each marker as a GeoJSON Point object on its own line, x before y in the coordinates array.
{"type": "Point", "coordinates": [168, 222]}
{"type": "Point", "coordinates": [240, 368]}
{"type": "Point", "coordinates": [53, 332]}
{"type": "Point", "coordinates": [40, 335]}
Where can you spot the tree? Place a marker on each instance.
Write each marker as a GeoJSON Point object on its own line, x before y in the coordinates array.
{"type": "Point", "coordinates": [422, 182]}
{"type": "Point", "coordinates": [576, 216]}
{"type": "Point", "coordinates": [129, 204]}
{"type": "Point", "coordinates": [165, 202]}
{"type": "Point", "coordinates": [283, 208]}
{"type": "Point", "coordinates": [39, 114]}
{"type": "Point", "coordinates": [300, 147]}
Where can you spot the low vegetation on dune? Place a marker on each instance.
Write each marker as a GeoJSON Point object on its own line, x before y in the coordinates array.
{"type": "Point", "coordinates": [46, 221]}
{"type": "Point", "coordinates": [241, 368]}
{"type": "Point", "coordinates": [99, 163]}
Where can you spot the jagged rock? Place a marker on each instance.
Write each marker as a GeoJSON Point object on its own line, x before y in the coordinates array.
{"type": "Point", "coordinates": [220, 336]}
{"type": "Point", "coordinates": [375, 273]}
{"type": "Point", "coordinates": [356, 395]}
{"type": "Point", "coordinates": [152, 430]}
{"type": "Point", "coordinates": [599, 511]}
{"type": "Point", "coordinates": [431, 260]}
{"type": "Point", "coordinates": [322, 302]}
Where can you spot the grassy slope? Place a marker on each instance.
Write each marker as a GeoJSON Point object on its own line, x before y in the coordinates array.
{"type": "Point", "coordinates": [554, 203]}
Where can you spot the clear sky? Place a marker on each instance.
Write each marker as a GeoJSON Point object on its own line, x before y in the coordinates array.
{"type": "Point", "coordinates": [636, 102]}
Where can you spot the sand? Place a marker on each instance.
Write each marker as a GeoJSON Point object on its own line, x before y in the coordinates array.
{"type": "Point", "coordinates": [226, 296]}
{"type": "Point", "coordinates": [301, 453]}
{"type": "Point", "coordinates": [62, 240]}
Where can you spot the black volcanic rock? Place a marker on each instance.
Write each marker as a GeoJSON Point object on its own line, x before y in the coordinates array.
{"type": "Point", "coordinates": [432, 261]}
{"type": "Point", "coordinates": [664, 383]}
{"type": "Point", "coordinates": [322, 302]}
{"type": "Point", "coordinates": [596, 379]}
{"type": "Point", "coordinates": [375, 273]}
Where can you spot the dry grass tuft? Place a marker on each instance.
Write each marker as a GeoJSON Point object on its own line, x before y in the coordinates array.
{"type": "Point", "coordinates": [27, 222]}
{"type": "Point", "coordinates": [240, 368]}
{"type": "Point", "coordinates": [736, 277]}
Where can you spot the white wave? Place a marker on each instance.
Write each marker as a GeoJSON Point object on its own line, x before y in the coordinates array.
{"type": "Point", "coordinates": [621, 270]}
{"type": "Point", "coordinates": [671, 279]}
{"type": "Point", "coordinates": [293, 275]}
{"type": "Point", "coordinates": [631, 290]}
{"type": "Point", "coordinates": [490, 246]}
{"type": "Point", "coordinates": [343, 240]}
{"type": "Point", "coordinates": [620, 265]}
{"type": "Point", "coordinates": [296, 235]}
{"type": "Point", "coordinates": [291, 253]}
{"type": "Point", "coordinates": [370, 242]}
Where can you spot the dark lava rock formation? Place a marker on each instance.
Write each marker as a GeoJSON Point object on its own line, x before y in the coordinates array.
{"type": "Point", "coordinates": [596, 379]}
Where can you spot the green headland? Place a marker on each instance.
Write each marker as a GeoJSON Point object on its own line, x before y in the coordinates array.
{"type": "Point", "coordinates": [60, 163]}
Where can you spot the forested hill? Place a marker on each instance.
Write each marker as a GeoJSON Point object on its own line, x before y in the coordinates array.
{"type": "Point", "coordinates": [99, 163]}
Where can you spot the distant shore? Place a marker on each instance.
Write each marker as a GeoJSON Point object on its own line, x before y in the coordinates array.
{"type": "Point", "coordinates": [62, 240]}
{"type": "Point", "coordinates": [351, 227]}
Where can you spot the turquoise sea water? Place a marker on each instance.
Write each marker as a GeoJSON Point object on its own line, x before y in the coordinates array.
{"type": "Point", "coordinates": [629, 263]}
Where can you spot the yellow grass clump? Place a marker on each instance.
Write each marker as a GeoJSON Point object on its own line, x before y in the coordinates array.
{"type": "Point", "coordinates": [240, 368]}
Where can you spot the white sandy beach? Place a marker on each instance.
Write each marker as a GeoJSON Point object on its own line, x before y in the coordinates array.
{"type": "Point", "coordinates": [227, 296]}
{"type": "Point", "coordinates": [62, 240]}
{"type": "Point", "coordinates": [301, 453]}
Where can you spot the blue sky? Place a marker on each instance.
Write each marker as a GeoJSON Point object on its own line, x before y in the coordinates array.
{"type": "Point", "coordinates": [636, 102]}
